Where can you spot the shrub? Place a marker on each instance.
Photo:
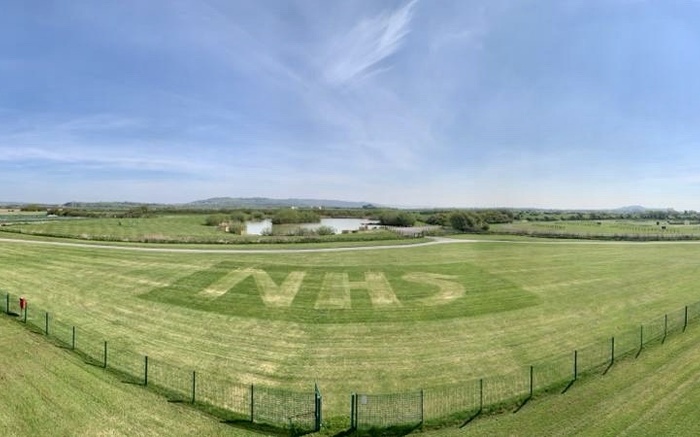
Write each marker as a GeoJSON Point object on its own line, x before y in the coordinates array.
{"type": "Point", "coordinates": [216, 219]}
{"type": "Point", "coordinates": [236, 228]}
{"type": "Point", "coordinates": [397, 218]}
{"type": "Point", "coordinates": [467, 222]}
{"type": "Point", "coordinates": [286, 216]}
{"type": "Point", "coordinates": [325, 230]}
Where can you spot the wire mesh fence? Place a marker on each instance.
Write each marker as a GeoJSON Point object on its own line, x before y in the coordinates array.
{"type": "Point", "coordinates": [448, 400]}
{"type": "Point", "coordinates": [593, 357]}
{"type": "Point", "coordinates": [555, 373]}
{"type": "Point", "coordinates": [274, 405]}
{"type": "Point", "coordinates": [693, 312]}
{"type": "Point", "coordinates": [91, 346]}
{"type": "Point", "coordinates": [127, 362]}
{"type": "Point", "coordinates": [676, 321]}
{"type": "Point", "coordinates": [297, 412]}
{"type": "Point", "coordinates": [510, 387]}
{"type": "Point", "coordinates": [387, 411]}
{"type": "Point", "coordinates": [300, 412]}
{"type": "Point", "coordinates": [63, 333]}
{"type": "Point", "coordinates": [234, 398]}
{"type": "Point", "coordinates": [462, 402]}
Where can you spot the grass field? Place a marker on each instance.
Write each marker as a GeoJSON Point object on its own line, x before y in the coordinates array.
{"type": "Point", "coordinates": [48, 391]}
{"type": "Point", "coordinates": [178, 228]}
{"type": "Point", "coordinates": [656, 394]}
{"type": "Point", "coordinates": [371, 321]}
{"type": "Point", "coordinates": [620, 229]}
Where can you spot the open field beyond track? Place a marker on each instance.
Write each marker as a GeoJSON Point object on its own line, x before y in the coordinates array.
{"type": "Point", "coordinates": [176, 228]}
{"type": "Point", "coordinates": [604, 229]}
{"type": "Point", "coordinates": [371, 321]}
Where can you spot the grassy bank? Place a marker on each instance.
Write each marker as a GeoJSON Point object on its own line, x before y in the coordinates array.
{"type": "Point", "coordinates": [48, 391]}
{"type": "Point", "coordinates": [656, 394]}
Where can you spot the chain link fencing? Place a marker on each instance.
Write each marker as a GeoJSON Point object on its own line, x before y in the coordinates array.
{"type": "Point", "coordinates": [297, 413]}
{"type": "Point", "coordinates": [300, 412]}
{"type": "Point", "coordinates": [462, 402]}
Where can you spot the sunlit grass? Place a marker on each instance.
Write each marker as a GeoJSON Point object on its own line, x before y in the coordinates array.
{"type": "Point", "coordinates": [522, 304]}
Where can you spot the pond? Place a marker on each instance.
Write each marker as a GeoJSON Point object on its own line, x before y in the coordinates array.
{"type": "Point", "coordinates": [338, 224]}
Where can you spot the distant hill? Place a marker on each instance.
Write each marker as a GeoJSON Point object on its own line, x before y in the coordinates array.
{"type": "Point", "coordinates": [212, 203]}
{"type": "Point", "coordinates": [106, 205]}
{"type": "Point", "coordinates": [633, 209]}
{"type": "Point", "coordinates": [264, 202]}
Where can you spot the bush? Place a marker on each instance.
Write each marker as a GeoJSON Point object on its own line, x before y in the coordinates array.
{"type": "Point", "coordinates": [216, 219]}
{"type": "Point", "coordinates": [287, 216]}
{"type": "Point", "coordinates": [236, 228]}
{"type": "Point", "coordinates": [467, 222]}
{"type": "Point", "coordinates": [239, 216]}
{"type": "Point", "coordinates": [397, 218]}
{"type": "Point", "coordinates": [325, 230]}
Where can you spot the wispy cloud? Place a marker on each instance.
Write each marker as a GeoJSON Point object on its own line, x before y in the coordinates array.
{"type": "Point", "coordinates": [446, 102]}
{"type": "Point", "coordinates": [358, 53]}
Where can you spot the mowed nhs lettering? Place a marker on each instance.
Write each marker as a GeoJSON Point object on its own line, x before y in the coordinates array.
{"type": "Point", "coordinates": [336, 288]}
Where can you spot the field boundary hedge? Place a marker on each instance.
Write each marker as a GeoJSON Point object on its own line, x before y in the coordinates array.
{"type": "Point", "coordinates": [385, 235]}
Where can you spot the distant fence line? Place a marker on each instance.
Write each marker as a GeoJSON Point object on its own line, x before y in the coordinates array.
{"type": "Point", "coordinates": [604, 237]}
{"type": "Point", "coordinates": [301, 413]}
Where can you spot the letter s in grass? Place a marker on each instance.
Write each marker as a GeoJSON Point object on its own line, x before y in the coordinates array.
{"type": "Point", "coordinates": [448, 289]}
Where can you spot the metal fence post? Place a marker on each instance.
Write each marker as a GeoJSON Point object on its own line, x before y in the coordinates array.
{"type": "Point", "coordinates": [145, 370]}
{"type": "Point", "coordinates": [353, 419]}
{"type": "Point", "coordinates": [532, 378]}
{"type": "Point", "coordinates": [105, 358]}
{"type": "Point", "coordinates": [422, 404]}
{"type": "Point", "coordinates": [612, 350]}
{"type": "Point", "coordinates": [318, 408]}
{"type": "Point", "coordinates": [252, 403]}
{"type": "Point", "coordinates": [318, 404]}
{"type": "Point", "coordinates": [575, 365]}
{"type": "Point", "coordinates": [357, 411]}
{"type": "Point", "coordinates": [47, 324]}
{"type": "Point", "coordinates": [194, 385]}
{"type": "Point", "coordinates": [685, 322]}
{"type": "Point", "coordinates": [7, 307]}
{"type": "Point", "coordinates": [481, 395]}
{"type": "Point", "coordinates": [72, 345]}
{"type": "Point", "coordinates": [26, 308]}
{"type": "Point", "coordinates": [665, 328]}
{"type": "Point", "coordinates": [641, 337]}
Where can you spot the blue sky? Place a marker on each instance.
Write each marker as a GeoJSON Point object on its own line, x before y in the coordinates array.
{"type": "Point", "coordinates": [465, 103]}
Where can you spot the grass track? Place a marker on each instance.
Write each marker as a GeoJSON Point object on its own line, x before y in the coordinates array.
{"type": "Point", "coordinates": [584, 293]}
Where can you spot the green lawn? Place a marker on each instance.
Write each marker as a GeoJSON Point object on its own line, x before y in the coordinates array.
{"type": "Point", "coordinates": [177, 228]}
{"type": "Point", "coordinates": [603, 229]}
{"type": "Point", "coordinates": [48, 391]}
{"type": "Point", "coordinates": [656, 394]}
{"type": "Point", "coordinates": [359, 321]}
